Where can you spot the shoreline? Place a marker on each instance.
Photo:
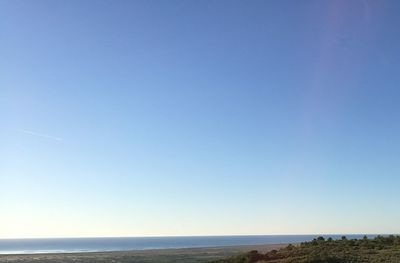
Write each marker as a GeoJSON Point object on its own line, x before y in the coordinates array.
{"type": "Point", "coordinates": [197, 254]}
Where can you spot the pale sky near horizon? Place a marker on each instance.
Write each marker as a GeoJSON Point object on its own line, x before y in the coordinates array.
{"type": "Point", "coordinates": [143, 118]}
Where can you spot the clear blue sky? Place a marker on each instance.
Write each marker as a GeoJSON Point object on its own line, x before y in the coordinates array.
{"type": "Point", "coordinates": [132, 118]}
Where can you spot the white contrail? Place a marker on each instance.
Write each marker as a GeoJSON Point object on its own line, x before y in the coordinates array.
{"type": "Point", "coordinates": [40, 135]}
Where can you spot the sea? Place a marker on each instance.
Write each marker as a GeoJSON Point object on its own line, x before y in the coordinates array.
{"type": "Point", "coordinates": [75, 245]}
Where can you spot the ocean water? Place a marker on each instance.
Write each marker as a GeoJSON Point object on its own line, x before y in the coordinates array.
{"type": "Point", "coordinates": [73, 245]}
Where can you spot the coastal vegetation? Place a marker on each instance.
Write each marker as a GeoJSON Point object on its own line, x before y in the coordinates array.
{"type": "Point", "coordinates": [321, 250]}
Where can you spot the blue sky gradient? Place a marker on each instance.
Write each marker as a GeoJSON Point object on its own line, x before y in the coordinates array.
{"type": "Point", "coordinates": [138, 118]}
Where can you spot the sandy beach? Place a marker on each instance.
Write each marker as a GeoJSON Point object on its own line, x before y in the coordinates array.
{"type": "Point", "coordinates": [158, 255]}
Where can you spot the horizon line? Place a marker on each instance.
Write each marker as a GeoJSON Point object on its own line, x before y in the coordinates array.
{"type": "Point", "coordinates": [168, 236]}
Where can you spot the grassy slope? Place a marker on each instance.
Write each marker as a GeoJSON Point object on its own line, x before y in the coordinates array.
{"type": "Point", "coordinates": [379, 249]}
